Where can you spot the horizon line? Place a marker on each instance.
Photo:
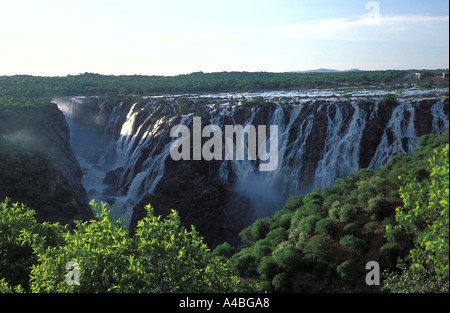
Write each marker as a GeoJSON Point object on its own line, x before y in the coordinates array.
{"type": "Point", "coordinates": [312, 71]}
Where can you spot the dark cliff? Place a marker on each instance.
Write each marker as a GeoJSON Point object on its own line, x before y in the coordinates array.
{"type": "Point", "coordinates": [38, 167]}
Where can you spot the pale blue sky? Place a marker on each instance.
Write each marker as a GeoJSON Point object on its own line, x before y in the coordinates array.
{"type": "Point", "coordinates": [170, 37]}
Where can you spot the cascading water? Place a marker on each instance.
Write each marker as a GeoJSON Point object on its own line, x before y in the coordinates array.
{"type": "Point", "coordinates": [404, 138]}
{"type": "Point", "coordinates": [319, 140]}
{"type": "Point", "coordinates": [341, 152]}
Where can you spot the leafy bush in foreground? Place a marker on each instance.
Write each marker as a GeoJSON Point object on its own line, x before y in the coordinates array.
{"type": "Point", "coordinates": [161, 257]}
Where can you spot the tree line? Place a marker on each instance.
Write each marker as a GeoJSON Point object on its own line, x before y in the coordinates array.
{"type": "Point", "coordinates": [90, 84]}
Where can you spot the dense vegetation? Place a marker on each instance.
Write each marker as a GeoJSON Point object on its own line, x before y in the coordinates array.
{"type": "Point", "coordinates": [161, 257]}
{"type": "Point", "coordinates": [89, 84]}
{"type": "Point", "coordinates": [396, 215]}
{"type": "Point", "coordinates": [322, 242]}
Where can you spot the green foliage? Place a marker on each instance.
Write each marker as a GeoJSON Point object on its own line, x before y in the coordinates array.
{"type": "Point", "coordinates": [390, 253]}
{"type": "Point", "coordinates": [405, 281]}
{"type": "Point", "coordinates": [348, 270]}
{"type": "Point", "coordinates": [351, 228]}
{"type": "Point", "coordinates": [378, 208]}
{"type": "Point", "coordinates": [317, 250]}
{"type": "Point", "coordinates": [347, 212]}
{"type": "Point", "coordinates": [313, 198]}
{"type": "Point", "coordinates": [424, 216]}
{"type": "Point", "coordinates": [268, 268]}
{"type": "Point", "coordinates": [281, 283]}
{"type": "Point", "coordinates": [307, 224]}
{"type": "Point", "coordinates": [258, 230]}
{"type": "Point", "coordinates": [293, 203]}
{"type": "Point", "coordinates": [390, 99]}
{"type": "Point", "coordinates": [94, 84]}
{"type": "Point", "coordinates": [244, 263]}
{"type": "Point", "coordinates": [163, 256]}
{"type": "Point", "coordinates": [19, 234]}
{"type": "Point", "coordinates": [287, 260]}
{"type": "Point", "coordinates": [277, 236]}
{"type": "Point", "coordinates": [262, 249]}
{"type": "Point", "coordinates": [326, 226]}
{"type": "Point", "coordinates": [224, 250]}
{"type": "Point", "coordinates": [353, 244]}
{"type": "Point", "coordinates": [371, 226]}
{"type": "Point", "coordinates": [281, 218]}
{"type": "Point", "coordinates": [327, 234]}
{"type": "Point", "coordinates": [183, 104]}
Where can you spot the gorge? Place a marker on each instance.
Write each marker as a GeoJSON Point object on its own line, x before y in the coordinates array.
{"type": "Point", "coordinates": [123, 148]}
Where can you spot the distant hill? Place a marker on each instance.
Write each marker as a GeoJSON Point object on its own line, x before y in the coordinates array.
{"type": "Point", "coordinates": [326, 70]}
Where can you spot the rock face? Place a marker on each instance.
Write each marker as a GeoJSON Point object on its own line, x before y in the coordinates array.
{"type": "Point", "coordinates": [124, 149]}
{"type": "Point", "coordinates": [41, 169]}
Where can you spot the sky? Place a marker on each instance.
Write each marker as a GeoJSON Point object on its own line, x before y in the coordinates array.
{"type": "Point", "coordinates": [171, 37]}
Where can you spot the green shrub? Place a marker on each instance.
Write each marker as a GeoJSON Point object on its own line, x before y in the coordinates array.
{"type": "Point", "coordinates": [335, 210]}
{"type": "Point", "coordinates": [419, 174]}
{"type": "Point", "coordinates": [425, 215]}
{"type": "Point", "coordinates": [266, 286]}
{"type": "Point", "coordinates": [162, 256]}
{"type": "Point", "coordinates": [409, 282]}
{"type": "Point", "coordinates": [348, 270]}
{"type": "Point", "coordinates": [293, 203]}
{"type": "Point", "coordinates": [20, 234]}
{"type": "Point", "coordinates": [330, 199]}
{"type": "Point", "coordinates": [371, 226]}
{"type": "Point", "coordinates": [314, 198]}
{"type": "Point", "coordinates": [317, 250]}
{"type": "Point", "coordinates": [389, 254]}
{"type": "Point", "coordinates": [394, 234]}
{"type": "Point", "coordinates": [262, 249]}
{"type": "Point", "coordinates": [268, 268]}
{"type": "Point", "coordinates": [347, 212]}
{"type": "Point", "coordinates": [302, 240]}
{"type": "Point", "coordinates": [277, 236]}
{"type": "Point", "coordinates": [244, 263]}
{"type": "Point", "coordinates": [326, 226]}
{"type": "Point", "coordinates": [308, 224]}
{"type": "Point", "coordinates": [258, 230]}
{"type": "Point", "coordinates": [281, 283]}
{"type": "Point", "coordinates": [390, 99]}
{"type": "Point", "coordinates": [353, 244]}
{"type": "Point", "coordinates": [224, 250]}
{"type": "Point", "coordinates": [281, 218]}
{"type": "Point", "coordinates": [296, 218]}
{"type": "Point", "coordinates": [287, 260]}
{"type": "Point", "coordinates": [351, 228]}
{"type": "Point", "coordinates": [378, 208]}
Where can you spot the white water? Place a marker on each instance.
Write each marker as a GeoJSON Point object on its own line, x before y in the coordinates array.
{"type": "Point", "coordinates": [401, 130]}
{"type": "Point", "coordinates": [341, 153]}
{"type": "Point", "coordinates": [296, 120]}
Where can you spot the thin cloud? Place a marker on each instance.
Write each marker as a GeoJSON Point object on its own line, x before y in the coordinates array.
{"type": "Point", "coordinates": [192, 38]}
{"type": "Point", "coordinates": [405, 28]}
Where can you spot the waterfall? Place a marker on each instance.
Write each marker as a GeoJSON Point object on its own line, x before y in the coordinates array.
{"type": "Point", "coordinates": [341, 152]}
{"type": "Point", "coordinates": [402, 132]}
{"type": "Point", "coordinates": [319, 140]}
{"type": "Point", "coordinates": [440, 119]}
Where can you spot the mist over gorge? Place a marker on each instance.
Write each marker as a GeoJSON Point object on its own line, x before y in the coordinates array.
{"type": "Point", "coordinates": [123, 148]}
